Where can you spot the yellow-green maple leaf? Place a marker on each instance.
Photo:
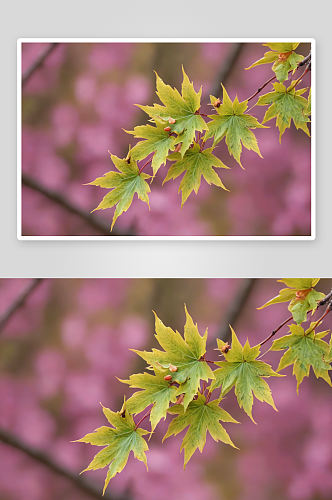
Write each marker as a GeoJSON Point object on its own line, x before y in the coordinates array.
{"type": "Point", "coordinates": [186, 354]}
{"type": "Point", "coordinates": [125, 183]}
{"type": "Point", "coordinates": [283, 56]}
{"type": "Point", "coordinates": [157, 140]}
{"type": "Point", "coordinates": [195, 163]}
{"type": "Point", "coordinates": [156, 391]}
{"type": "Point", "coordinates": [233, 123]}
{"type": "Point", "coordinates": [181, 108]}
{"type": "Point", "coordinates": [120, 440]}
{"type": "Point", "coordinates": [286, 105]}
{"type": "Point", "coordinates": [305, 349]}
{"type": "Point", "coordinates": [302, 296]}
{"type": "Point", "coordinates": [245, 373]}
{"type": "Point", "coordinates": [201, 417]}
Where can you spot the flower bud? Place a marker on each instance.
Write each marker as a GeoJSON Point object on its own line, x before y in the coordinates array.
{"type": "Point", "coordinates": [173, 368]}
{"type": "Point", "coordinates": [168, 377]}
{"type": "Point", "coordinates": [167, 129]}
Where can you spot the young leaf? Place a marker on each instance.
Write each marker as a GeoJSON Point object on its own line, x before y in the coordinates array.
{"type": "Point", "coordinates": [120, 440]}
{"type": "Point", "coordinates": [303, 297]}
{"type": "Point", "coordinates": [196, 163]}
{"type": "Point", "coordinates": [157, 139]}
{"type": "Point", "coordinates": [182, 109]}
{"type": "Point", "coordinates": [283, 57]}
{"type": "Point", "coordinates": [245, 373]}
{"type": "Point", "coordinates": [305, 349]}
{"type": "Point", "coordinates": [232, 122]}
{"type": "Point", "coordinates": [201, 417]}
{"type": "Point", "coordinates": [286, 105]}
{"type": "Point", "coordinates": [184, 354]}
{"type": "Point", "coordinates": [156, 391]}
{"type": "Point", "coordinates": [125, 184]}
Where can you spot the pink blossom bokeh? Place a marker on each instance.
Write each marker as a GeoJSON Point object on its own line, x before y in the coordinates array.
{"type": "Point", "coordinates": [78, 105]}
{"type": "Point", "coordinates": [59, 358]}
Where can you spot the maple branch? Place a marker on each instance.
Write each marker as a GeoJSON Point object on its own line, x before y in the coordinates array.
{"type": "Point", "coordinates": [327, 310]}
{"type": "Point", "coordinates": [146, 415]}
{"type": "Point", "coordinates": [208, 397]}
{"type": "Point", "coordinates": [308, 68]}
{"type": "Point", "coordinates": [19, 302]}
{"type": "Point", "coordinates": [261, 88]}
{"type": "Point", "coordinates": [41, 457]}
{"type": "Point", "coordinates": [325, 300]}
{"type": "Point", "coordinates": [145, 164]}
{"type": "Point", "coordinates": [70, 207]}
{"type": "Point", "coordinates": [38, 63]}
{"type": "Point", "coordinates": [275, 331]}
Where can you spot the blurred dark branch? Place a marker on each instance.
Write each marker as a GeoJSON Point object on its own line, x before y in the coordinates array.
{"type": "Point", "coordinates": [19, 302]}
{"type": "Point", "coordinates": [44, 459]}
{"type": "Point", "coordinates": [63, 202]}
{"type": "Point", "coordinates": [226, 68]}
{"type": "Point", "coordinates": [38, 63]}
{"type": "Point", "coordinates": [236, 307]}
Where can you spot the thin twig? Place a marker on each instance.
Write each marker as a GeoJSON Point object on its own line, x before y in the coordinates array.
{"type": "Point", "coordinates": [63, 202]}
{"type": "Point", "coordinates": [327, 310]}
{"type": "Point", "coordinates": [41, 457]}
{"type": "Point", "coordinates": [38, 63]}
{"type": "Point", "coordinates": [19, 302]}
{"type": "Point", "coordinates": [276, 330]}
{"type": "Point", "coordinates": [144, 416]}
{"type": "Point", "coordinates": [261, 88]}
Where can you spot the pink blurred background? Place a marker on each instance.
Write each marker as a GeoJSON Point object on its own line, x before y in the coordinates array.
{"type": "Point", "coordinates": [77, 104]}
{"type": "Point", "coordinates": [60, 355]}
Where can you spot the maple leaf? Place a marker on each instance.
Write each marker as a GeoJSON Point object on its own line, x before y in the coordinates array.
{"type": "Point", "coordinates": [201, 417]}
{"type": "Point", "coordinates": [307, 111]}
{"type": "Point", "coordinates": [125, 184]}
{"type": "Point", "coordinates": [179, 112]}
{"type": "Point", "coordinates": [302, 295]}
{"type": "Point", "coordinates": [196, 163]}
{"type": "Point", "coordinates": [232, 122]}
{"type": "Point", "coordinates": [120, 439]}
{"type": "Point", "coordinates": [305, 349]}
{"type": "Point", "coordinates": [157, 391]}
{"type": "Point", "coordinates": [283, 57]}
{"type": "Point", "coordinates": [286, 105]}
{"type": "Point", "coordinates": [186, 354]}
{"type": "Point", "coordinates": [245, 373]}
{"type": "Point", "coordinates": [157, 140]}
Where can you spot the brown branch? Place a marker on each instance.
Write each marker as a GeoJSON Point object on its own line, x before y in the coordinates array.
{"type": "Point", "coordinates": [38, 63]}
{"type": "Point", "coordinates": [276, 330]}
{"type": "Point", "coordinates": [19, 302]}
{"type": "Point", "coordinates": [226, 68]}
{"type": "Point", "coordinates": [41, 457]}
{"type": "Point", "coordinates": [63, 202]}
{"type": "Point", "coordinates": [261, 88]}
{"type": "Point", "coordinates": [144, 416]}
{"type": "Point", "coordinates": [236, 308]}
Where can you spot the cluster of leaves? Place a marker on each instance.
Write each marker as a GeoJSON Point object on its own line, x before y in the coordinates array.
{"type": "Point", "coordinates": [181, 382]}
{"type": "Point", "coordinates": [179, 133]}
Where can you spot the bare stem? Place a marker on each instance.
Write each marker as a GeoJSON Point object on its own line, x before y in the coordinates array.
{"type": "Point", "coordinates": [19, 302]}
{"type": "Point", "coordinates": [145, 164]}
{"type": "Point", "coordinates": [146, 415]}
{"type": "Point", "coordinates": [38, 63]}
{"type": "Point", "coordinates": [39, 456]}
{"type": "Point", "coordinates": [275, 331]}
{"type": "Point", "coordinates": [67, 205]}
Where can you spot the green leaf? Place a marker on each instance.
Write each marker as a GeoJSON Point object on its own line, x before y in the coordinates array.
{"type": "Point", "coordinates": [182, 109]}
{"type": "Point", "coordinates": [201, 417]}
{"type": "Point", "coordinates": [307, 111]}
{"type": "Point", "coordinates": [302, 296]}
{"type": "Point", "coordinates": [125, 184]}
{"type": "Point", "coordinates": [157, 140]}
{"type": "Point", "coordinates": [232, 122]}
{"type": "Point", "coordinates": [184, 354]}
{"type": "Point", "coordinates": [245, 373]}
{"type": "Point", "coordinates": [286, 105]}
{"type": "Point", "coordinates": [195, 163]}
{"type": "Point", "coordinates": [283, 57]}
{"type": "Point", "coordinates": [156, 391]}
{"type": "Point", "coordinates": [120, 440]}
{"type": "Point", "coordinates": [305, 349]}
